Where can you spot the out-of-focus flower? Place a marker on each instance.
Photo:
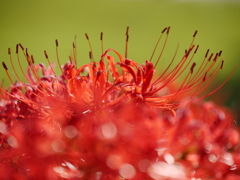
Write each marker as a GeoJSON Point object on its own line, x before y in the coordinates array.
{"type": "Point", "coordinates": [116, 121]}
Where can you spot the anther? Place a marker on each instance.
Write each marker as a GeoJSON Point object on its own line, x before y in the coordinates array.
{"type": "Point", "coordinates": [207, 53]}
{"type": "Point", "coordinates": [222, 62]}
{"type": "Point", "coordinates": [205, 76]}
{"type": "Point", "coordinates": [168, 30]}
{"type": "Point", "coordinates": [127, 31]}
{"type": "Point", "coordinates": [16, 48]}
{"type": "Point", "coordinates": [27, 52]}
{"type": "Point", "coordinates": [192, 47]}
{"type": "Point", "coordinates": [192, 68]}
{"type": "Point", "coordinates": [195, 33]}
{"type": "Point", "coordinates": [196, 49]}
{"type": "Point", "coordinates": [210, 57]}
{"type": "Point", "coordinates": [87, 36]}
{"type": "Point", "coordinates": [215, 58]}
{"type": "Point", "coordinates": [56, 41]}
{"type": "Point", "coordinates": [4, 66]}
{"type": "Point", "coordinates": [9, 51]}
{"type": "Point", "coordinates": [21, 46]}
{"type": "Point", "coordinates": [219, 54]}
{"type": "Point", "coordinates": [45, 52]}
{"type": "Point", "coordinates": [164, 30]}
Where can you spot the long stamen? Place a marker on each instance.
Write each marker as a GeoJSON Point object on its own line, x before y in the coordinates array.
{"type": "Point", "coordinates": [197, 84]}
{"type": "Point", "coordinates": [58, 60]}
{"type": "Point", "coordinates": [193, 39]}
{"type": "Point", "coordinates": [30, 62]}
{"type": "Point", "coordinates": [18, 58]}
{"type": "Point", "coordinates": [188, 52]}
{"type": "Point", "coordinates": [201, 68]}
{"type": "Point", "coordinates": [9, 77]}
{"type": "Point", "coordinates": [90, 46]}
{"type": "Point", "coordinates": [50, 65]}
{"type": "Point", "coordinates": [175, 72]}
{"type": "Point", "coordinates": [188, 87]}
{"type": "Point", "coordinates": [178, 67]}
{"type": "Point", "coordinates": [181, 87]}
{"type": "Point", "coordinates": [159, 78]}
{"type": "Point", "coordinates": [187, 63]}
{"type": "Point", "coordinates": [164, 45]}
{"type": "Point", "coordinates": [230, 75]}
{"type": "Point", "coordinates": [159, 39]}
{"type": "Point", "coordinates": [14, 70]}
{"type": "Point", "coordinates": [46, 56]}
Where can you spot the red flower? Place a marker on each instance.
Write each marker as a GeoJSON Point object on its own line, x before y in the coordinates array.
{"type": "Point", "coordinates": [116, 122]}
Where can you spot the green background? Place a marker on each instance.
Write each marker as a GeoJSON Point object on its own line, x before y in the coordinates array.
{"type": "Point", "coordinates": [36, 25]}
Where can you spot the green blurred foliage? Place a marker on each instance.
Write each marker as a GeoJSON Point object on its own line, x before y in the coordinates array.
{"type": "Point", "coordinates": [36, 25]}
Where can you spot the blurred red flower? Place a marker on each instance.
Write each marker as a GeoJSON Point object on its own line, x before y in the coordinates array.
{"type": "Point", "coordinates": [116, 121]}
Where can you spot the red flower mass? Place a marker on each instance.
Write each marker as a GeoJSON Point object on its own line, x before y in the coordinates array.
{"type": "Point", "coordinates": [111, 120]}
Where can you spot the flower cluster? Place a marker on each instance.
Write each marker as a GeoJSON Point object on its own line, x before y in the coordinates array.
{"type": "Point", "coordinates": [108, 120]}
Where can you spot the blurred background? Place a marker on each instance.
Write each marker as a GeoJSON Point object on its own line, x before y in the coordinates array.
{"type": "Point", "coordinates": [36, 25]}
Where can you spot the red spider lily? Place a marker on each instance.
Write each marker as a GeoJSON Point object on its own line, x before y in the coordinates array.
{"type": "Point", "coordinates": [114, 122]}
